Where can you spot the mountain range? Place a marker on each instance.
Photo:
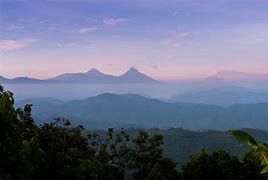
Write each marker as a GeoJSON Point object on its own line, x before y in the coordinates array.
{"type": "Point", "coordinates": [132, 76]}
{"type": "Point", "coordinates": [130, 110]}
{"type": "Point", "coordinates": [91, 76]}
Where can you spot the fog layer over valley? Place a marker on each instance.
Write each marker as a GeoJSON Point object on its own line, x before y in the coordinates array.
{"type": "Point", "coordinates": [242, 88]}
{"type": "Point", "coordinates": [133, 99]}
{"type": "Point", "coordinates": [66, 91]}
{"type": "Point", "coordinates": [182, 91]}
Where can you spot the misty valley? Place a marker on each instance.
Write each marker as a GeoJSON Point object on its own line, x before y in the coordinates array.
{"type": "Point", "coordinates": [99, 101]}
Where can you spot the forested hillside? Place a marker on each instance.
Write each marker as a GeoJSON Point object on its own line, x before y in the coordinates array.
{"type": "Point", "coordinates": [58, 150]}
{"type": "Point", "coordinates": [180, 143]}
{"type": "Point", "coordinates": [111, 110]}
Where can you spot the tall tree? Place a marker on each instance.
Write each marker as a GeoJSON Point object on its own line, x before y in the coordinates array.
{"type": "Point", "coordinates": [147, 160]}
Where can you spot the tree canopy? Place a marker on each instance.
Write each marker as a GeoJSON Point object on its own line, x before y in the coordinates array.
{"type": "Point", "coordinates": [58, 150]}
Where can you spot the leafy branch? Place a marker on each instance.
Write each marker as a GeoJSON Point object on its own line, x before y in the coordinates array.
{"type": "Point", "coordinates": [260, 149]}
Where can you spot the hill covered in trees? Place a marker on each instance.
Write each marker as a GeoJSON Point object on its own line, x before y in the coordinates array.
{"type": "Point", "coordinates": [129, 110]}
{"type": "Point", "coordinates": [179, 144]}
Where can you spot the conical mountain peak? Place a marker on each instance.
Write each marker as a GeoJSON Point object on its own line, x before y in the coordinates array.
{"type": "Point", "coordinates": [94, 72]}
{"type": "Point", "coordinates": [132, 70]}
{"type": "Point", "coordinates": [134, 76]}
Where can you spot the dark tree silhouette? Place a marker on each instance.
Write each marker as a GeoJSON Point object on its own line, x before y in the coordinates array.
{"type": "Point", "coordinates": [58, 150]}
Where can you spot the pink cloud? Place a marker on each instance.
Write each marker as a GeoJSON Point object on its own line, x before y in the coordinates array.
{"type": "Point", "coordinates": [8, 45]}
{"type": "Point", "coordinates": [88, 29]}
{"type": "Point", "coordinates": [114, 22]}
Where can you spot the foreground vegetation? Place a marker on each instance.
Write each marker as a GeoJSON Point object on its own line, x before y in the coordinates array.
{"type": "Point", "coordinates": [59, 150]}
{"type": "Point", "coordinates": [260, 149]}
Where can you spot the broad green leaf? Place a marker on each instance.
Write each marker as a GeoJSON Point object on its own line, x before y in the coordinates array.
{"type": "Point", "coordinates": [259, 148]}
{"type": "Point", "coordinates": [243, 137]}
{"type": "Point", "coordinates": [265, 170]}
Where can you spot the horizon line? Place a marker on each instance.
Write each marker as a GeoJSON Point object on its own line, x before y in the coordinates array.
{"type": "Point", "coordinates": [214, 74]}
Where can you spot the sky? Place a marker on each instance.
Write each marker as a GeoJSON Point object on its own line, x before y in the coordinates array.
{"type": "Point", "coordinates": [166, 39]}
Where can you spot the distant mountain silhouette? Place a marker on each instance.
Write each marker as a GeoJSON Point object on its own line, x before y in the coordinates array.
{"type": "Point", "coordinates": [91, 76]}
{"type": "Point", "coordinates": [223, 96]}
{"type": "Point", "coordinates": [134, 76]}
{"type": "Point", "coordinates": [235, 75]}
{"type": "Point", "coordinates": [112, 110]}
{"type": "Point", "coordinates": [3, 79]}
{"type": "Point", "coordinates": [20, 80]}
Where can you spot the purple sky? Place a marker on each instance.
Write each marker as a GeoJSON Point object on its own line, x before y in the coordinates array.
{"type": "Point", "coordinates": [167, 39]}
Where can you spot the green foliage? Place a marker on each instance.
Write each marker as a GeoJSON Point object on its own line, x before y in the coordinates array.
{"type": "Point", "coordinates": [50, 151]}
{"type": "Point", "coordinates": [252, 167]}
{"type": "Point", "coordinates": [10, 140]}
{"type": "Point", "coordinates": [260, 149]}
{"type": "Point", "coordinates": [141, 156]}
{"type": "Point", "coordinates": [221, 165]}
{"type": "Point", "coordinates": [58, 150]}
{"type": "Point", "coordinates": [147, 160]}
{"type": "Point", "coordinates": [218, 165]}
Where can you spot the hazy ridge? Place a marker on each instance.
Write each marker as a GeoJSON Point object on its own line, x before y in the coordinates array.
{"type": "Point", "coordinates": [132, 110]}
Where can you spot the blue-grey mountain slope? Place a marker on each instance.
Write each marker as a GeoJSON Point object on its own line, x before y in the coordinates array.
{"type": "Point", "coordinates": [21, 80]}
{"type": "Point", "coordinates": [108, 110]}
{"type": "Point", "coordinates": [134, 76]}
{"type": "Point", "coordinates": [91, 76]}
